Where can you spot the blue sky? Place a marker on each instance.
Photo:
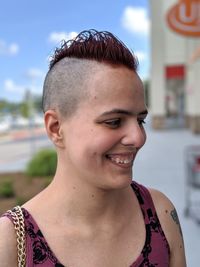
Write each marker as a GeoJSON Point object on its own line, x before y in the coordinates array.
{"type": "Point", "coordinates": [30, 31]}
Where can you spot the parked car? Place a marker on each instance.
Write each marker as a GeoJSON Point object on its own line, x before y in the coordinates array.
{"type": "Point", "coordinates": [5, 124]}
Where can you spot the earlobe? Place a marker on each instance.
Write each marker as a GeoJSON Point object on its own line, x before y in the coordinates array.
{"type": "Point", "coordinates": [53, 127]}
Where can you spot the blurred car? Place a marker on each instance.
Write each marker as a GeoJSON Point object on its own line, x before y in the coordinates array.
{"type": "Point", "coordinates": [5, 123]}
{"type": "Point", "coordinates": [20, 122]}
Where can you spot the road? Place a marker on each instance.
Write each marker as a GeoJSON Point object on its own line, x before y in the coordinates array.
{"type": "Point", "coordinates": [17, 149]}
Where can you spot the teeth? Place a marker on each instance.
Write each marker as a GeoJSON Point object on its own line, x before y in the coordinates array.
{"type": "Point", "coordinates": [121, 161]}
{"type": "Point", "coordinates": [121, 158]}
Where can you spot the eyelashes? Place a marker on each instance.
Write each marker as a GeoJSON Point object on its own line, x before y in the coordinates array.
{"type": "Point", "coordinates": [141, 121]}
{"type": "Point", "coordinates": [113, 123]}
{"type": "Point", "coordinates": [116, 123]}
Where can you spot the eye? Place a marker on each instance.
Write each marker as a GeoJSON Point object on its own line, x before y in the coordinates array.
{"type": "Point", "coordinates": [113, 123]}
{"type": "Point", "coordinates": [141, 122]}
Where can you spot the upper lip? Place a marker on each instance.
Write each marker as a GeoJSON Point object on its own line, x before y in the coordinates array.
{"type": "Point", "coordinates": [122, 154]}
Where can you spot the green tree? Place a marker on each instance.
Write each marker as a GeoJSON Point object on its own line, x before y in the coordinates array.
{"type": "Point", "coordinates": [38, 103]}
{"type": "Point", "coordinates": [24, 109]}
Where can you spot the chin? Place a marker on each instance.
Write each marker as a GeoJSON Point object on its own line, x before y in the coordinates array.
{"type": "Point", "coordinates": [120, 182]}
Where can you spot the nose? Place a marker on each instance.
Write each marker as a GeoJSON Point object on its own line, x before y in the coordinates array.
{"type": "Point", "coordinates": [134, 135]}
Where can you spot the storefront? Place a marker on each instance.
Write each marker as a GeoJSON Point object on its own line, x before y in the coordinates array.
{"type": "Point", "coordinates": [175, 64]}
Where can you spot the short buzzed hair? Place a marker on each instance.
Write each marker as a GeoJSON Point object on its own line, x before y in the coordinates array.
{"type": "Point", "coordinates": [75, 61]}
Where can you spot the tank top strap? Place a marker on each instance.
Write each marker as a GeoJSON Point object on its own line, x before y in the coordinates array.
{"type": "Point", "coordinates": [145, 200]}
{"type": "Point", "coordinates": [28, 219]}
{"type": "Point", "coordinates": [156, 251]}
{"type": "Point", "coordinates": [37, 249]}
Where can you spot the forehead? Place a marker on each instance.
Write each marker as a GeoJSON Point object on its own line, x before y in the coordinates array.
{"type": "Point", "coordinates": [115, 86]}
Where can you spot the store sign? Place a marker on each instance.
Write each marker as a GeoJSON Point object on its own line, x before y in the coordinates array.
{"type": "Point", "coordinates": [184, 17]}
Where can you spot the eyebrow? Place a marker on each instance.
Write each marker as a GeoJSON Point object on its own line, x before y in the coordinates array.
{"type": "Point", "coordinates": [125, 112]}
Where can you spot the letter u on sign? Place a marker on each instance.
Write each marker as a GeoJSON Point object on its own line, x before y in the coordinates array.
{"type": "Point", "coordinates": [184, 17]}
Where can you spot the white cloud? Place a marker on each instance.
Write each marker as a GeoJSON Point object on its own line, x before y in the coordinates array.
{"type": "Point", "coordinates": [140, 55]}
{"type": "Point", "coordinates": [11, 87]}
{"type": "Point", "coordinates": [34, 73]}
{"type": "Point", "coordinates": [57, 37]}
{"type": "Point", "coordinates": [13, 49]}
{"type": "Point", "coordinates": [136, 20]}
{"type": "Point", "coordinates": [8, 49]}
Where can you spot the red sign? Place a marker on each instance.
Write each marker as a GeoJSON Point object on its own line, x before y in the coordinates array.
{"type": "Point", "coordinates": [184, 17]}
{"type": "Point", "coordinates": [175, 72]}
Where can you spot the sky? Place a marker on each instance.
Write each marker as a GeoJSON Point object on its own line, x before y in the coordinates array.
{"type": "Point", "coordinates": [31, 30]}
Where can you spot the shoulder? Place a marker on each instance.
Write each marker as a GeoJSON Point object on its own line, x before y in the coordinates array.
{"type": "Point", "coordinates": [8, 244]}
{"type": "Point", "coordinates": [169, 221]}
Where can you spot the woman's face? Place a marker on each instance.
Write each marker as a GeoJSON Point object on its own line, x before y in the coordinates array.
{"type": "Point", "coordinates": [104, 135]}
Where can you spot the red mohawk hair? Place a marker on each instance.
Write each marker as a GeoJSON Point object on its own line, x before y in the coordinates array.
{"type": "Point", "coordinates": [100, 46]}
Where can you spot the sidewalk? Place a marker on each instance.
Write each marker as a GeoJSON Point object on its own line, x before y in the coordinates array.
{"type": "Point", "coordinates": [161, 164]}
{"type": "Point", "coordinates": [19, 134]}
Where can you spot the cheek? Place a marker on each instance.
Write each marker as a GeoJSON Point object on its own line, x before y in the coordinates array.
{"type": "Point", "coordinates": [105, 141]}
{"type": "Point", "coordinates": [98, 147]}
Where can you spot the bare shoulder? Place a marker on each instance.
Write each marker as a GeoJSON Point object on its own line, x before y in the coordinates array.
{"type": "Point", "coordinates": [171, 226]}
{"type": "Point", "coordinates": [8, 244]}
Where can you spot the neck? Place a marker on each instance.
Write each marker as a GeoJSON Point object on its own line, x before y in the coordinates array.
{"type": "Point", "coordinates": [81, 202]}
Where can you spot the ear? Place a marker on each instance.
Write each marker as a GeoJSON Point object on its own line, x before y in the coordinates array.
{"type": "Point", "coordinates": [52, 122]}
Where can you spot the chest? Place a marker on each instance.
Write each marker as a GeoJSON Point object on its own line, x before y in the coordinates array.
{"type": "Point", "coordinates": [102, 249]}
{"type": "Point", "coordinates": [134, 246]}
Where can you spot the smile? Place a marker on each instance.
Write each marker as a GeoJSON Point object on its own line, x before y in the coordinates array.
{"type": "Point", "coordinates": [125, 160]}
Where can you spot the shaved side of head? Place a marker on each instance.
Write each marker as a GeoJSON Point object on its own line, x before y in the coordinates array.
{"type": "Point", "coordinates": [66, 84]}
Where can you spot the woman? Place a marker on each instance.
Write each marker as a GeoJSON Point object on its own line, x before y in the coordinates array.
{"type": "Point", "coordinates": [93, 214]}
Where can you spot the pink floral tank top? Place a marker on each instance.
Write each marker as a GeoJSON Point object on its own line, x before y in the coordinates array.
{"type": "Point", "coordinates": [154, 253]}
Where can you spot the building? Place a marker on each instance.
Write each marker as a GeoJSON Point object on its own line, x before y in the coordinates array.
{"type": "Point", "coordinates": [175, 67]}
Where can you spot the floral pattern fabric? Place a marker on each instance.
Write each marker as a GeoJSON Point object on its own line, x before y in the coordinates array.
{"type": "Point", "coordinates": [41, 253]}
{"type": "Point", "coordinates": [156, 251]}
